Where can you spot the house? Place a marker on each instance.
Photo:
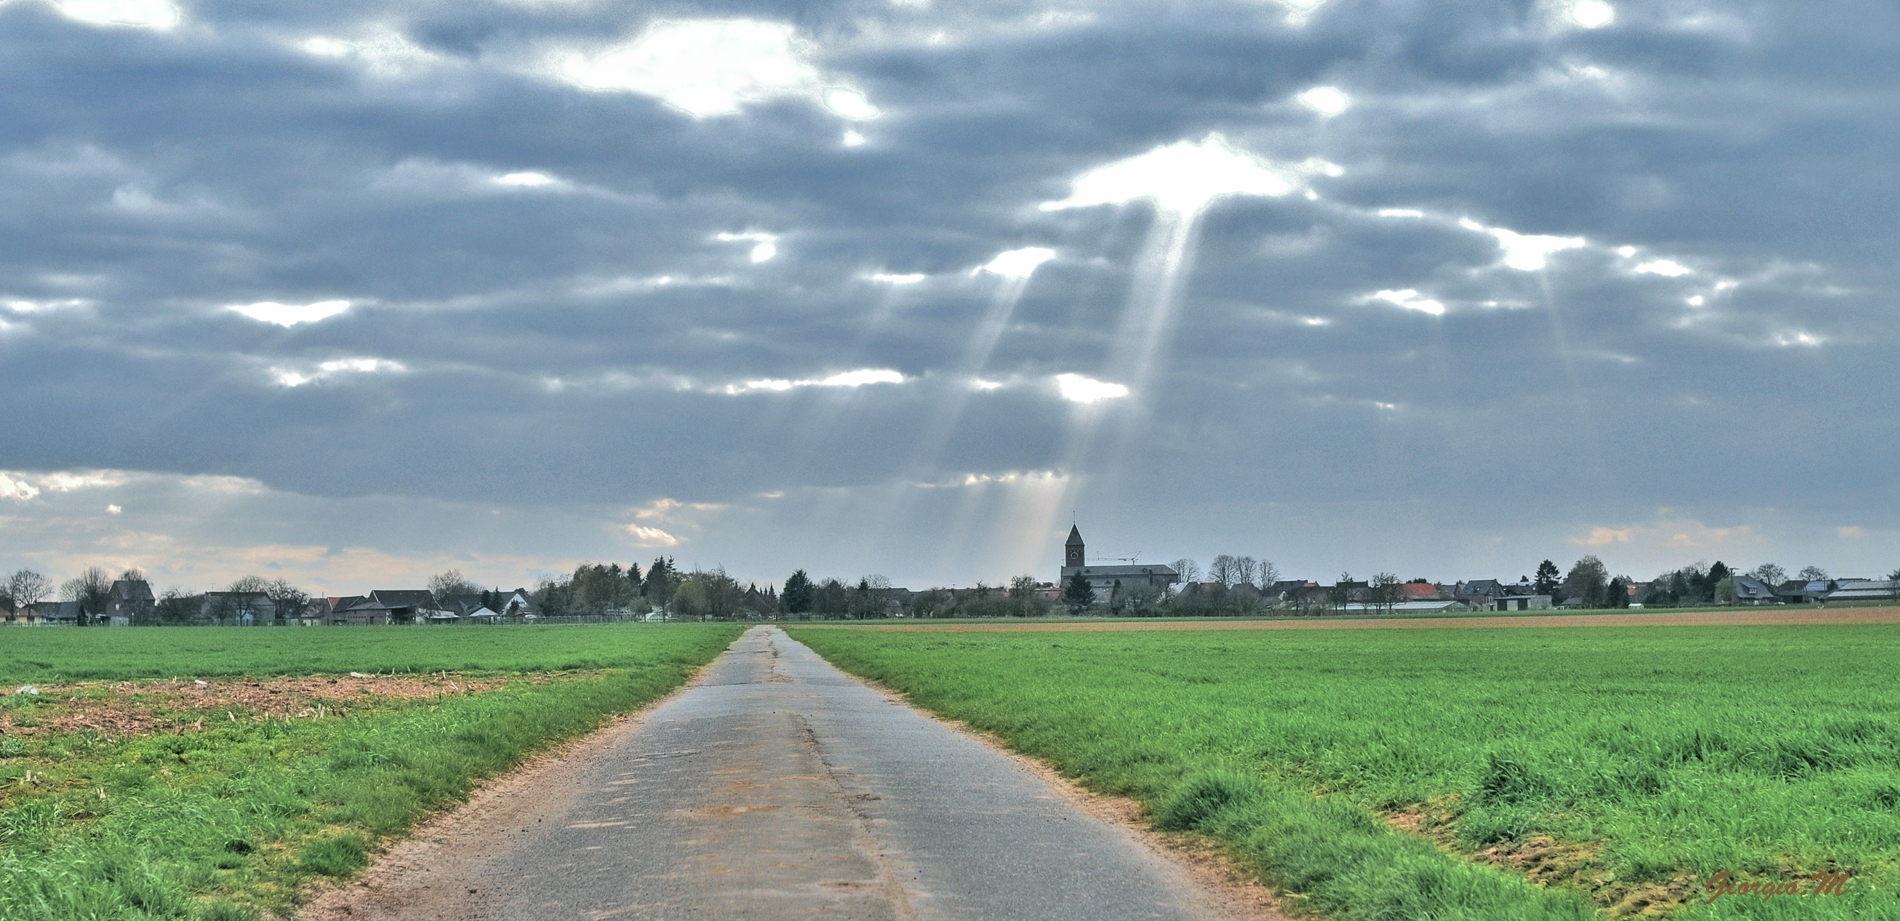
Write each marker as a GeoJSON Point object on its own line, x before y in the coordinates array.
{"type": "Point", "coordinates": [1107, 579]}
{"type": "Point", "coordinates": [1411, 592]}
{"type": "Point", "coordinates": [1291, 591]}
{"type": "Point", "coordinates": [409, 605]}
{"type": "Point", "coordinates": [472, 608]}
{"type": "Point", "coordinates": [518, 604]}
{"type": "Point", "coordinates": [1492, 595]}
{"type": "Point", "coordinates": [1479, 593]}
{"type": "Point", "coordinates": [131, 602]}
{"type": "Point", "coordinates": [354, 610]}
{"type": "Point", "coordinates": [57, 613]}
{"type": "Point", "coordinates": [1750, 590]}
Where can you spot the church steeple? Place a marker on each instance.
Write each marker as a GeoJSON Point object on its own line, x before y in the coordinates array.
{"type": "Point", "coordinates": [1072, 551]}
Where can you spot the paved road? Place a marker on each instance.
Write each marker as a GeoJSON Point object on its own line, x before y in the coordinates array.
{"type": "Point", "coordinates": [779, 788]}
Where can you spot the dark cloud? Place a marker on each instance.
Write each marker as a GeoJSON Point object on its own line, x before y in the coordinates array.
{"type": "Point", "coordinates": [1716, 339]}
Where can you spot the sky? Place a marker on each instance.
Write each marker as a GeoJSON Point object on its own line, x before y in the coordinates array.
{"type": "Point", "coordinates": [355, 292]}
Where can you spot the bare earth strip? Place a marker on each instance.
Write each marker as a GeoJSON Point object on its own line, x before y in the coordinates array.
{"type": "Point", "coordinates": [776, 787]}
{"type": "Point", "coordinates": [1868, 615]}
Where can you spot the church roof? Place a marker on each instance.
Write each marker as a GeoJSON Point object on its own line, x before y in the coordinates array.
{"type": "Point", "coordinates": [1075, 537]}
{"type": "Point", "coordinates": [1148, 569]}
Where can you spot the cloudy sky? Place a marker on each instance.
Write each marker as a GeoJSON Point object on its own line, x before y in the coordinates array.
{"type": "Point", "coordinates": [354, 292]}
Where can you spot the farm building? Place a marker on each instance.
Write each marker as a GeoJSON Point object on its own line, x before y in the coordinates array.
{"type": "Point", "coordinates": [1864, 590]}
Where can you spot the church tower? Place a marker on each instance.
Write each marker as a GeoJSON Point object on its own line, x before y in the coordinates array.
{"type": "Point", "coordinates": [1072, 558]}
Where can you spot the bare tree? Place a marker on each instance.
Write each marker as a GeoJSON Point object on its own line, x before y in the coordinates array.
{"type": "Point", "coordinates": [1022, 597]}
{"type": "Point", "coordinates": [1342, 591]}
{"type": "Point", "coordinates": [1228, 571]}
{"type": "Point", "coordinates": [1385, 591]}
{"type": "Point", "coordinates": [288, 600]}
{"type": "Point", "coordinates": [1189, 571]}
{"type": "Point", "coordinates": [179, 606]}
{"type": "Point", "coordinates": [1265, 574]}
{"type": "Point", "coordinates": [446, 585]}
{"type": "Point", "coordinates": [240, 600]}
{"type": "Point", "coordinates": [1812, 574]}
{"type": "Point", "coordinates": [25, 589]}
{"type": "Point", "coordinates": [90, 589]}
{"type": "Point", "coordinates": [1770, 574]}
{"type": "Point", "coordinates": [253, 585]}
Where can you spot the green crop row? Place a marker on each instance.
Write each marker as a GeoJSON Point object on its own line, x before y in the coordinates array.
{"type": "Point", "coordinates": [1549, 773]}
{"type": "Point", "coordinates": [228, 822]}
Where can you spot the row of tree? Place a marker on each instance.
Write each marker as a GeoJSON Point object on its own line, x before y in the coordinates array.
{"type": "Point", "coordinates": [91, 591]}
{"type": "Point", "coordinates": [1230, 585]}
{"type": "Point", "coordinates": [1590, 585]}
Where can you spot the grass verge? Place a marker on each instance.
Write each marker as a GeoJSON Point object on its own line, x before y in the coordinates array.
{"type": "Point", "coordinates": [1472, 774]}
{"type": "Point", "coordinates": [227, 820]}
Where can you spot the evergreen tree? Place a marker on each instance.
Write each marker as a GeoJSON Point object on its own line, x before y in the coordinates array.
{"type": "Point", "coordinates": [797, 598]}
{"type": "Point", "coordinates": [1549, 581]}
{"type": "Point", "coordinates": [662, 581]}
{"type": "Point", "coordinates": [1714, 578]}
{"type": "Point", "coordinates": [1078, 595]}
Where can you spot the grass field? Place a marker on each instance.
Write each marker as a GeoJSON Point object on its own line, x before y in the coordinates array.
{"type": "Point", "coordinates": [1472, 773]}
{"type": "Point", "coordinates": [139, 784]}
{"type": "Point", "coordinates": [47, 655]}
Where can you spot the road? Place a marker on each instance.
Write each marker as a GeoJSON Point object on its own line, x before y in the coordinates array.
{"type": "Point", "coordinates": [776, 787]}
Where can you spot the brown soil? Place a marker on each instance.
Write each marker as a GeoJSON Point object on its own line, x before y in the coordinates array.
{"type": "Point", "coordinates": [1860, 615]}
{"type": "Point", "coordinates": [120, 709]}
{"type": "Point", "coordinates": [1547, 862]}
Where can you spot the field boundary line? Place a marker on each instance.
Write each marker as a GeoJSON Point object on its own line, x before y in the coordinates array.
{"type": "Point", "coordinates": [1727, 618]}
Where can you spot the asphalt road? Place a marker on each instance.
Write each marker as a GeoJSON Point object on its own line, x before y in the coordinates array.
{"type": "Point", "coordinates": [776, 787]}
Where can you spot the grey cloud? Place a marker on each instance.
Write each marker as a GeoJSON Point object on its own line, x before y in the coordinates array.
{"type": "Point", "coordinates": [164, 177]}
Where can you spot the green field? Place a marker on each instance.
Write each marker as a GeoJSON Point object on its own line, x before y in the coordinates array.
{"type": "Point", "coordinates": [48, 655]}
{"type": "Point", "coordinates": [226, 817]}
{"type": "Point", "coordinates": [1535, 773]}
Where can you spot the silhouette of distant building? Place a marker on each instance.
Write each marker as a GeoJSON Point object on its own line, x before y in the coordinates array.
{"type": "Point", "coordinates": [1105, 578]}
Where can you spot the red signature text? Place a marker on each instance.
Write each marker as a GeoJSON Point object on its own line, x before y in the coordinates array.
{"type": "Point", "coordinates": [1725, 883]}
